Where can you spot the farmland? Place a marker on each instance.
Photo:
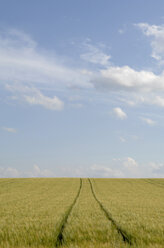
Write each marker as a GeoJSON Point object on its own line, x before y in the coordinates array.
{"type": "Point", "coordinates": [72, 213]}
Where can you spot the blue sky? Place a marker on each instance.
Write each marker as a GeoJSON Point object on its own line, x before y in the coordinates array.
{"type": "Point", "coordinates": [81, 88]}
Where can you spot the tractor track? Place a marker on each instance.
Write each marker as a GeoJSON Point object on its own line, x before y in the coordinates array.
{"type": "Point", "coordinates": [158, 184]}
{"type": "Point", "coordinates": [60, 238]}
{"type": "Point", "coordinates": [125, 236]}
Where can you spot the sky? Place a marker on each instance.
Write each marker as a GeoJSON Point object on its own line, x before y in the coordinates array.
{"type": "Point", "coordinates": [82, 88]}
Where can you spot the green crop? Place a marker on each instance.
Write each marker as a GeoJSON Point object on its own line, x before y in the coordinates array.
{"type": "Point", "coordinates": [31, 210]}
{"type": "Point", "coordinates": [88, 226]}
{"type": "Point", "coordinates": [81, 213]}
{"type": "Point", "coordinates": [137, 205]}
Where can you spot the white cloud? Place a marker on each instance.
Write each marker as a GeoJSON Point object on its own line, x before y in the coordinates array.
{"type": "Point", "coordinates": [129, 162]}
{"type": "Point", "coordinates": [95, 54]}
{"type": "Point", "coordinates": [127, 167]}
{"type": "Point", "coordinates": [128, 137]}
{"type": "Point", "coordinates": [23, 63]}
{"type": "Point", "coordinates": [119, 168]}
{"type": "Point", "coordinates": [144, 98]}
{"type": "Point", "coordinates": [34, 96]}
{"type": "Point", "coordinates": [10, 172]}
{"type": "Point", "coordinates": [9, 129]}
{"type": "Point", "coordinates": [148, 121]}
{"type": "Point", "coordinates": [119, 113]}
{"type": "Point", "coordinates": [39, 99]}
{"type": "Point", "coordinates": [127, 79]}
{"type": "Point", "coordinates": [37, 172]}
{"type": "Point", "coordinates": [104, 171]}
{"type": "Point", "coordinates": [24, 68]}
{"type": "Point", "coordinates": [156, 32]}
{"type": "Point", "coordinates": [157, 169]}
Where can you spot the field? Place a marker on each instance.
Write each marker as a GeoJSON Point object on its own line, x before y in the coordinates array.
{"type": "Point", "coordinates": [72, 213]}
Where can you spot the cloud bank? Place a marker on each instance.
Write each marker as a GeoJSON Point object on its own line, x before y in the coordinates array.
{"type": "Point", "coordinates": [126, 167]}
{"type": "Point", "coordinates": [36, 171]}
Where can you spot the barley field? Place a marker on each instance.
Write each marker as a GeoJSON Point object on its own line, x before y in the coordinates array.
{"type": "Point", "coordinates": [76, 213]}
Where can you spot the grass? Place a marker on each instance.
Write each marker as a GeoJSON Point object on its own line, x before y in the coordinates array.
{"type": "Point", "coordinates": [74, 213]}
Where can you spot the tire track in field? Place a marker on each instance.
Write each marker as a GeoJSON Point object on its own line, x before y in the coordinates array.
{"type": "Point", "coordinates": [7, 181]}
{"type": "Point", "coordinates": [158, 184]}
{"type": "Point", "coordinates": [60, 237]}
{"type": "Point", "coordinates": [125, 236]}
